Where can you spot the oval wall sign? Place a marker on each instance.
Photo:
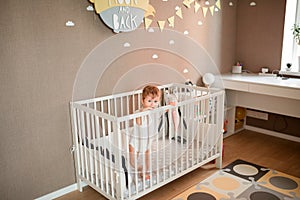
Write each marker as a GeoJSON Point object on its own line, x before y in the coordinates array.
{"type": "Point", "coordinates": [121, 15]}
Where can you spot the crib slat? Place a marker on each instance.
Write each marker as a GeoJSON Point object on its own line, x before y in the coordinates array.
{"type": "Point", "coordinates": [75, 130]}
{"type": "Point", "coordinates": [105, 162]}
{"type": "Point", "coordinates": [110, 166]}
{"type": "Point", "coordinates": [127, 105]}
{"type": "Point", "coordinates": [83, 141]}
{"type": "Point", "coordinates": [95, 163]}
{"type": "Point", "coordinates": [188, 135]}
{"type": "Point", "coordinates": [110, 163]}
{"type": "Point", "coordinates": [220, 119]}
{"type": "Point", "coordinates": [157, 170]}
{"type": "Point", "coordinates": [81, 169]}
{"type": "Point", "coordinates": [88, 144]}
{"type": "Point", "coordinates": [100, 173]}
{"type": "Point", "coordinates": [202, 129]}
{"type": "Point", "coordinates": [164, 150]}
{"type": "Point", "coordinates": [121, 109]}
{"type": "Point", "coordinates": [198, 118]}
{"type": "Point", "coordinates": [207, 127]}
{"type": "Point", "coordinates": [117, 137]}
{"type": "Point", "coordinates": [191, 160]}
{"type": "Point", "coordinates": [127, 155]}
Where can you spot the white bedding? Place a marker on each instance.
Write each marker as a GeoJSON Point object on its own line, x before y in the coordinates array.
{"type": "Point", "coordinates": [164, 151]}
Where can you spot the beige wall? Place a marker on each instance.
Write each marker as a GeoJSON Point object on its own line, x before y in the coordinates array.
{"type": "Point", "coordinates": [40, 58]}
{"type": "Point", "coordinates": [259, 34]}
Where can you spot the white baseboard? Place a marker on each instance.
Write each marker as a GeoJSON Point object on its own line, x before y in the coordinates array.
{"type": "Point", "coordinates": [61, 192]}
{"type": "Point", "coordinates": [272, 133]}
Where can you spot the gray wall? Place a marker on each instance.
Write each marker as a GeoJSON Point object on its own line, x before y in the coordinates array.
{"type": "Point", "coordinates": [40, 58]}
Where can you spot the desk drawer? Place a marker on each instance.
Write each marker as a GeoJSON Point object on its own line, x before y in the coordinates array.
{"type": "Point", "coordinates": [234, 85]}
{"type": "Point", "coordinates": [275, 91]}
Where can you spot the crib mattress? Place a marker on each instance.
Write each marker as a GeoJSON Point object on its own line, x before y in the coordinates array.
{"type": "Point", "coordinates": [164, 151]}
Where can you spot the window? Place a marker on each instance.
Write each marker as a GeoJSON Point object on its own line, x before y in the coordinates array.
{"type": "Point", "coordinates": [290, 49]}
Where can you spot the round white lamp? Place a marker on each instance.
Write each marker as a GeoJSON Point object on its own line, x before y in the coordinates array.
{"type": "Point", "coordinates": [208, 79]}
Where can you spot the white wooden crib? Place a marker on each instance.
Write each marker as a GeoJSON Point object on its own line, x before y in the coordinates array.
{"type": "Point", "coordinates": [102, 128]}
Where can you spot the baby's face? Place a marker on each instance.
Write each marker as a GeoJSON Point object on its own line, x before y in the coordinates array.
{"type": "Point", "coordinates": [151, 101]}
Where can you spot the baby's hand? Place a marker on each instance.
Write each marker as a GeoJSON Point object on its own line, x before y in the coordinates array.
{"type": "Point", "coordinates": [147, 108]}
{"type": "Point", "coordinates": [172, 103]}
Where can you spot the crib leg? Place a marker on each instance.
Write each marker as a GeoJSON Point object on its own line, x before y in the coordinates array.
{"type": "Point", "coordinates": [79, 185]}
{"type": "Point", "coordinates": [219, 162]}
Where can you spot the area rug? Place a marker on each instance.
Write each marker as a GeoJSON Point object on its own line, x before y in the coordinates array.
{"type": "Point", "coordinates": [242, 180]}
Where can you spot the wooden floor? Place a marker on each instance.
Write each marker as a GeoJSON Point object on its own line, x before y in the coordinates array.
{"type": "Point", "coordinates": [271, 152]}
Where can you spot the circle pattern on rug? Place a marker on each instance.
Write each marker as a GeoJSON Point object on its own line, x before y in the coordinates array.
{"type": "Point", "coordinates": [225, 183]}
{"type": "Point", "coordinates": [246, 170]}
{"type": "Point", "coordinates": [263, 195]}
{"type": "Point", "coordinates": [283, 183]}
{"type": "Point", "coordinates": [201, 195]}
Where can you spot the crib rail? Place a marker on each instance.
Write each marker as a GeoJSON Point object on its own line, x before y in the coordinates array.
{"type": "Point", "coordinates": [103, 128]}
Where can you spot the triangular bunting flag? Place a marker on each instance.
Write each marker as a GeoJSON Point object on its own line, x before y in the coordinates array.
{"type": "Point", "coordinates": [147, 22]}
{"type": "Point", "coordinates": [171, 21]}
{"type": "Point", "coordinates": [204, 11]}
{"type": "Point", "coordinates": [218, 4]}
{"type": "Point", "coordinates": [161, 25]}
{"type": "Point", "coordinates": [187, 3]}
{"type": "Point", "coordinates": [179, 13]}
{"type": "Point", "coordinates": [211, 8]}
{"type": "Point", "coordinates": [197, 6]}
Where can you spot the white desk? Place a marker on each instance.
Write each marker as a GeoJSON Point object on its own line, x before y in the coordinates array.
{"type": "Point", "coordinates": [270, 94]}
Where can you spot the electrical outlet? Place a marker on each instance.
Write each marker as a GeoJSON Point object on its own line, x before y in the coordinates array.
{"type": "Point", "coordinates": [257, 114]}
